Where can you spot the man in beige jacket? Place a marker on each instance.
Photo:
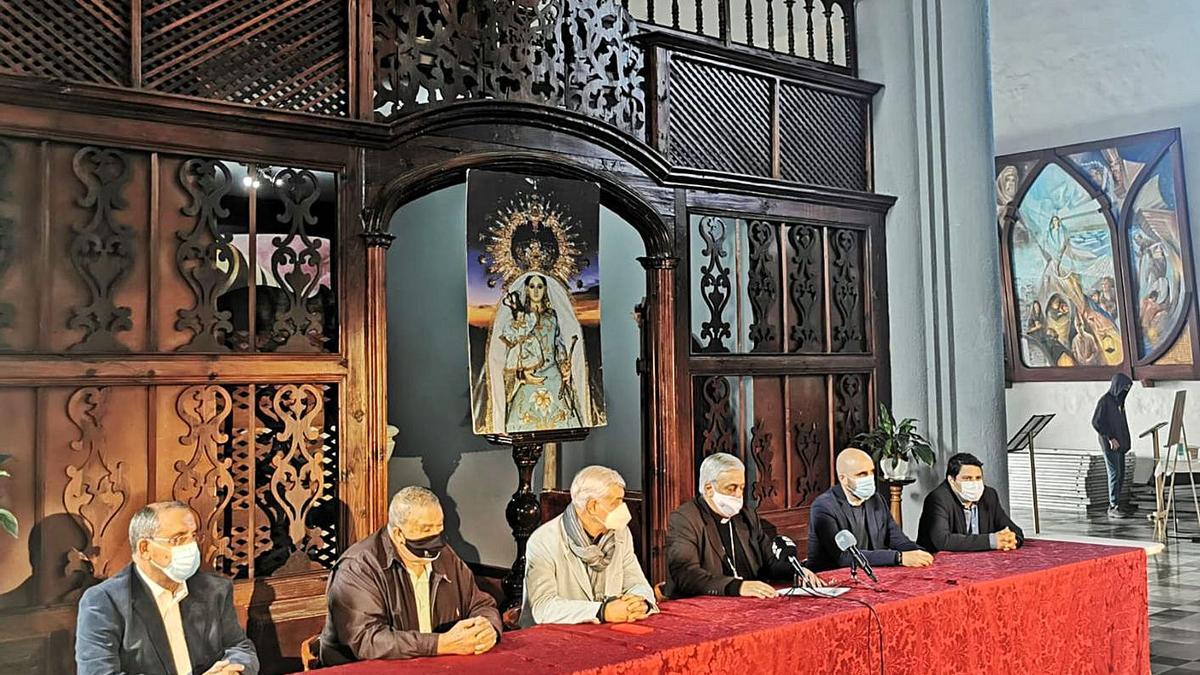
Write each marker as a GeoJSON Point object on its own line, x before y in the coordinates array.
{"type": "Point", "coordinates": [580, 567]}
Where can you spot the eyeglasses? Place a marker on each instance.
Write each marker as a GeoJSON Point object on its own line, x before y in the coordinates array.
{"type": "Point", "coordinates": [177, 540]}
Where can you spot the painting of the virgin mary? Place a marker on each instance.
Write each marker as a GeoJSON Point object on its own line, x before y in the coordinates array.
{"type": "Point", "coordinates": [533, 304]}
{"type": "Point", "coordinates": [537, 365]}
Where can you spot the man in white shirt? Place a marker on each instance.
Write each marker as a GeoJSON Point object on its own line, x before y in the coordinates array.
{"type": "Point", "coordinates": [157, 615]}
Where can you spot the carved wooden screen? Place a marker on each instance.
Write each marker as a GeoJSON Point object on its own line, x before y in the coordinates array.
{"type": "Point", "coordinates": [168, 330]}
{"type": "Point", "coordinates": [787, 351]}
{"type": "Point", "coordinates": [285, 55]}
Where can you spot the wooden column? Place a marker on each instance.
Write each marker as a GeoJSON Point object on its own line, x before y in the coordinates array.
{"type": "Point", "coordinates": [374, 509]}
{"type": "Point", "coordinates": [667, 475]}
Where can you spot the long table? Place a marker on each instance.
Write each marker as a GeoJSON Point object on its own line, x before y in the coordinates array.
{"type": "Point", "coordinates": [1049, 607]}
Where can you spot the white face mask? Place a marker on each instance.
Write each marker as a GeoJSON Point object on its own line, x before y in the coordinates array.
{"type": "Point", "coordinates": [185, 560]}
{"type": "Point", "coordinates": [863, 488]}
{"type": "Point", "coordinates": [727, 505]}
{"type": "Point", "coordinates": [970, 490]}
{"type": "Point", "coordinates": [617, 518]}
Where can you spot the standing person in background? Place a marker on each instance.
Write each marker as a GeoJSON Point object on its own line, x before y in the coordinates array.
{"type": "Point", "coordinates": [1109, 421]}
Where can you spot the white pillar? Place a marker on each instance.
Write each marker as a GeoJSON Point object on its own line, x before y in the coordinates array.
{"type": "Point", "coordinates": [933, 150]}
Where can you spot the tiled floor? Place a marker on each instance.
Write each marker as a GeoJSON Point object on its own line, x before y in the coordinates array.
{"type": "Point", "coordinates": [1174, 582]}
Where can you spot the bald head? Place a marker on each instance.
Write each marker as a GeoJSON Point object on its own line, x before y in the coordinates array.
{"type": "Point", "coordinates": [853, 462]}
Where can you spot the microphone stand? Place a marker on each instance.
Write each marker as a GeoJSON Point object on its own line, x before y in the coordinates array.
{"type": "Point", "coordinates": [854, 568]}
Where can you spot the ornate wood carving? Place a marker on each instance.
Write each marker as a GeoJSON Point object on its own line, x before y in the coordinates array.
{"type": "Point", "coordinates": [716, 412]}
{"type": "Point", "coordinates": [296, 467]}
{"type": "Point", "coordinates": [763, 285]}
{"type": "Point", "coordinates": [524, 50]}
{"type": "Point", "coordinates": [248, 528]}
{"type": "Point", "coordinates": [806, 289]}
{"type": "Point", "coordinates": [298, 272]}
{"type": "Point", "coordinates": [102, 249]}
{"type": "Point", "coordinates": [96, 487]}
{"type": "Point", "coordinates": [203, 252]}
{"type": "Point", "coordinates": [7, 238]}
{"type": "Point", "coordinates": [809, 481]}
{"type": "Point", "coordinates": [766, 487]}
{"type": "Point", "coordinates": [850, 409]}
{"type": "Point", "coordinates": [715, 284]}
{"type": "Point", "coordinates": [205, 481]}
{"type": "Point", "coordinates": [846, 279]}
{"type": "Point", "coordinates": [573, 55]}
{"type": "Point", "coordinates": [604, 77]}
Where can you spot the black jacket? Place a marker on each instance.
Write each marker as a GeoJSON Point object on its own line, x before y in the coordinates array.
{"type": "Point", "coordinates": [119, 629]}
{"type": "Point", "coordinates": [1109, 419]}
{"type": "Point", "coordinates": [695, 551]}
{"type": "Point", "coordinates": [831, 514]}
{"type": "Point", "coordinates": [944, 524]}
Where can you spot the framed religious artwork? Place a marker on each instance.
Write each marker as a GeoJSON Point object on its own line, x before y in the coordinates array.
{"type": "Point", "coordinates": [533, 303]}
{"type": "Point", "coordinates": [1096, 259]}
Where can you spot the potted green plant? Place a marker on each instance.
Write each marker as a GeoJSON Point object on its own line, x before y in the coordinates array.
{"type": "Point", "coordinates": [7, 520]}
{"type": "Point", "coordinates": [894, 444]}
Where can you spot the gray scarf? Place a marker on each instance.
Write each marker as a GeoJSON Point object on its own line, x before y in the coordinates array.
{"type": "Point", "coordinates": [596, 556]}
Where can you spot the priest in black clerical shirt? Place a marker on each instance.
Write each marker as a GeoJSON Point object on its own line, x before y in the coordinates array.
{"type": "Point", "coordinates": [716, 545]}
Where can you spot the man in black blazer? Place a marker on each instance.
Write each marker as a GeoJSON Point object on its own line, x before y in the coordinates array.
{"type": "Point", "coordinates": [962, 514]}
{"type": "Point", "coordinates": [157, 615]}
{"type": "Point", "coordinates": [853, 505]}
{"type": "Point", "coordinates": [716, 543]}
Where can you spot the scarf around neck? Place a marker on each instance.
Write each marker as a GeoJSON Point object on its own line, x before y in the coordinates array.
{"type": "Point", "coordinates": [596, 556]}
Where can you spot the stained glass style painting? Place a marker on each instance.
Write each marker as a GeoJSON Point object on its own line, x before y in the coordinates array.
{"type": "Point", "coordinates": [1098, 267]}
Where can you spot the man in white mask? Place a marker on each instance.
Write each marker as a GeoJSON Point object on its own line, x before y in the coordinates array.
{"type": "Point", "coordinates": [963, 514]}
{"type": "Point", "coordinates": [716, 544]}
{"type": "Point", "coordinates": [580, 567]}
{"type": "Point", "coordinates": [853, 505]}
{"type": "Point", "coordinates": [158, 614]}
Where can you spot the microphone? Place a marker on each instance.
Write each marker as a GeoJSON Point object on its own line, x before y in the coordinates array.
{"type": "Point", "coordinates": [783, 548]}
{"type": "Point", "coordinates": [846, 542]}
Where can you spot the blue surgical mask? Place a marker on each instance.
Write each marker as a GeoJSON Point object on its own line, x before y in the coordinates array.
{"type": "Point", "coordinates": [864, 488]}
{"type": "Point", "coordinates": [185, 560]}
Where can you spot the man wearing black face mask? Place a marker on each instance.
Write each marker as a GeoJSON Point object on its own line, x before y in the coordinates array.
{"type": "Point", "coordinates": [401, 592]}
{"type": "Point", "coordinates": [1109, 421]}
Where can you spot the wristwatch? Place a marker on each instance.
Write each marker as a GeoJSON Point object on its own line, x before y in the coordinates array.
{"type": "Point", "coordinates": [899, 558]}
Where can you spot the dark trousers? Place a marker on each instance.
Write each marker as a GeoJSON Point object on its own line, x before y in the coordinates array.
{"type": "Point", "coordinates": [1114, 462]}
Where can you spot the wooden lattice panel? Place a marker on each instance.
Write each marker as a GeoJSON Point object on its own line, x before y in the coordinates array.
{"type": "Point", "coordinates": [82, 40]}
{"type": "Point", "coordinates": [288, 54]}
{"type": "Point", "coordinates": [720, 119]}
{"type": "Point", "coordinates": [822, 138]}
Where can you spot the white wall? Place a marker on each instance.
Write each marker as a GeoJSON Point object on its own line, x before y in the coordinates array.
{"type": "Point", "coordinates": [428, 390]}
{"type": "Point", "coordinates": [932, 147]}
{"type": "Point", "coordinates": [1066, 72]}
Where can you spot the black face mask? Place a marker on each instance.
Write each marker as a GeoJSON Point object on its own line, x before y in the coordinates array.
{"type": "Point", "coordinates": [428, 548]}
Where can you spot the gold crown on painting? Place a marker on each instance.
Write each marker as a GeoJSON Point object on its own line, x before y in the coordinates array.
{"type": "Point", "coordinates": [531, 234]}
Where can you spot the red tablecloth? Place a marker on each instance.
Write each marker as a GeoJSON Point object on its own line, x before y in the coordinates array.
{"type": "Point", "coordinates": [1050, 607]}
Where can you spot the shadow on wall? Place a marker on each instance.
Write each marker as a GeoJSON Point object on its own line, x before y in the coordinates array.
{"type": "Point", "coordinates": [428, 390]}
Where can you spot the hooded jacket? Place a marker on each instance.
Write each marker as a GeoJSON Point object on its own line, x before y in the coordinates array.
{"type": "Point", "coordinates": [1109, 419]}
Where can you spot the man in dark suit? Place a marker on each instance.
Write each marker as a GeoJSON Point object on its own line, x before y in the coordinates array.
{"type": "Point", "coordinates": [157, 615]}
{"type": "Point", "coordinates": [716, 545]}
{"type": "Point", "coordinates": [962, 514]}
{"type": "Point", "coordinates": [854, 506]}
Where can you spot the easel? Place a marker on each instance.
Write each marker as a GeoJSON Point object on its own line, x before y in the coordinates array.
{"type": "Point", "coordinates": [1159, 517]}
{"type": "Point", "coordinates": [1177, 440]}
{"type": "Point", "coordinates": [1024, 439]}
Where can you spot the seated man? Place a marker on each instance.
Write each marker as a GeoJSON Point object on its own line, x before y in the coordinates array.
{"type": "Point", "coordinates": [852, 505]}
{"type": "Point", "coordinates": [401, 592]}
{"type": "Point", "coordinates": [580, 567]}
{"type": "Point", "coordinates": [157, 615]}
{"type": "Point", "coordinates": [962, 514]}
{"type": "Point", "coordinates": [716, 544]}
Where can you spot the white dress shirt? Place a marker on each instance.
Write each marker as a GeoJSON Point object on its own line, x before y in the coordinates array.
{"type": "Point", "coordinates": [168, 609]}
